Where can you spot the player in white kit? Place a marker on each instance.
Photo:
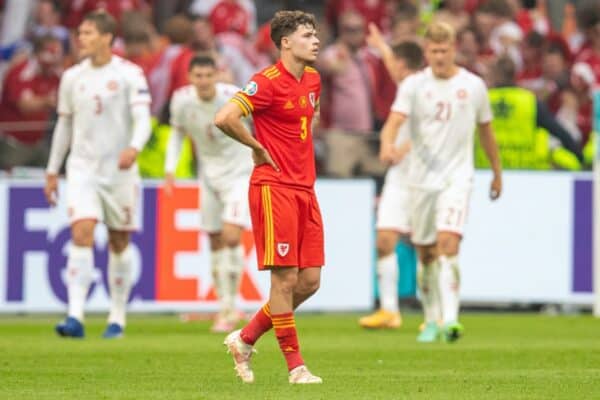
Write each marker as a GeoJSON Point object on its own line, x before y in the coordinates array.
{"type": "Point", "coordinates": [225, 168]}
{"type": "Point", "coordinates": [392, 213]}
{"type": "Point", "coordinates": [104, 119]}
{"type": "Point", "coordinates": [444, 105]}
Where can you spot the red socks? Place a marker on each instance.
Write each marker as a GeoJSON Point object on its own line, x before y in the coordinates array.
{"type": "Point", "coordinates": [285, 331]}
{"type": "Point", "coordinates": [258, 325]}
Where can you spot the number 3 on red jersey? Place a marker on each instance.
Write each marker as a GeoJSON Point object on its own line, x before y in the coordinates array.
{"type": "Point", "coordinates": [303, 127]}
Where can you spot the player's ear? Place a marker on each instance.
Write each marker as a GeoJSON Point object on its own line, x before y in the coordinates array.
{"type": "Point", "coordinates": [285, 42]}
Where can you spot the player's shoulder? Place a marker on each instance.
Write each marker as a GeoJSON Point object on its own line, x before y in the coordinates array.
{"type": "Point", "coordinates": [75, 70]}
{"type": "Point", "coordinates": [270, 73]}
{"type": "Point", "coordinates": [312, 75]}
{"type": "Point", "coordinates": [126, 67]}
{"type": "Point", "coordinates": [414, 79]}
{"type": "Point", "coordinates": [470, 77]}
{"type": "Point", "coordinates": [183, 94]}
{"type": "Point", "coordinates": [226, 90]}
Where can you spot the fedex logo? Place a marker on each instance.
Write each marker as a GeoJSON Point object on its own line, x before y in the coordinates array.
{"type": "Point", "coordinates": [158, 242]}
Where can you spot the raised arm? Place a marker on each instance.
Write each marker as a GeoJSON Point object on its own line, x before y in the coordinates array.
{"type": "Point", "coordinates": [376, 40]}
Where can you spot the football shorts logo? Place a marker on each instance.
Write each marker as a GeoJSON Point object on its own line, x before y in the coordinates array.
{"type": "Point", "coordinates": [311, 98]}
{"type": "Point", "coordinates": [283, 249]}
{"type": "Point", "coordinates": [461, 94]}
{"type": "Point", "coordinates": [251, 88]}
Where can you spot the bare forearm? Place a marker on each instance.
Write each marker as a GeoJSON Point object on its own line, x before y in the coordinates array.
{"type": "Point", "coordinates": [387, 56]}
{"type": "Point", "coordinates": [234, 128]}
{"type": "Point", "coordinates": [488, 142]}
{"type": "Point", "coordinates": [390, 129]}
{"type": "Point", "coordinates": [61, 141]}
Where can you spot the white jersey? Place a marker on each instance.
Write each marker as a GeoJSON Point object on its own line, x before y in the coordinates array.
{"type": "Point", "coordinates": [443, 116]}
{"type": "Point", "coordinates": [99, 99]}
{"type": "Point", "coordinates": [222, 159]}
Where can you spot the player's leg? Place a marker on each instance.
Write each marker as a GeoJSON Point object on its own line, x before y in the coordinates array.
{"type": "Point", "coordinates": [388, 316]}
{"type": "Point", "coordinates": [236, 218]}
{"type": "Point", "coordinates": [427, 282]}
{"type": "Point", "coordinates": [311, 257]}
{"type": "Point", "coordinates": [211, 216]}
{"type": "Point", "coordinates": [449, 283]}
{"type": "Point", "coordinates": [80, 275]}
{"type": "Point", "coordinates": [120, 281]}
{"type": "Point", "coordinates": [452, 212]}
{"type": "Point", "coordinates": [219, 263]}
{"type": "Point", "coordinates": [120, 206]}
{"type": "Point", "coordinates": [84, 209]}
{"type": "Point", "coordinates": [423, 205]}
{"type": "Point", "coordinates": [392, 221]}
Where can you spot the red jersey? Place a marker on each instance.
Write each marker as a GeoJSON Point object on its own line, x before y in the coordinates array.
{"type": "Point", "coordinates": [592, 58]}
{"type": "Point", "coordinates": [21, 80]}
{"type": "Point", "coordinates": [282, 108]}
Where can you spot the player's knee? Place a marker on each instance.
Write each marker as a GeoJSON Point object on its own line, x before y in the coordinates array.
{"type": "Point", "coordinates": [118, 241]}
{"type": "Point", "coordinates": [385, 245]}
{"type": "Point", "coordinates": [284, 281]}
{"type": "Point", "coordinates": [448, 246]}
{"type": "Point", "coordinates": [308, 286]}
{"type": "Point", "coordinates": [82, 236]}
{"type": "Point", "coordinates": [427, 255]}
{"type": "Point", "coordinates": [230, 238]}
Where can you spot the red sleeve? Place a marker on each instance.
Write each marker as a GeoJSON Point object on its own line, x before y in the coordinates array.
{"type": "Point", "coordinates": [256, 95]}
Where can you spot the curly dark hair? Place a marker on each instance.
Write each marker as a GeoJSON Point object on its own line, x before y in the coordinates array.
{"type": "Point", "coordinates": [285, 23]}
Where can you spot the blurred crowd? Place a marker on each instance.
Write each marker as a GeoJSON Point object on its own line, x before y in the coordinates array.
{"type": "Point", "coordinates": [549, 48]}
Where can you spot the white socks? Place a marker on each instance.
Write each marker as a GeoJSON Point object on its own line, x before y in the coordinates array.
{"type": "Point", "coordinates": [427, 281]}
{"type": "Point", "coordinates": [236, 267]}
{"type": "Point", "coordinates": [119, 282]}
{"type": "Point", "coordinates": [219, 261]}
{"type": "Point", "coordinates": [449, 284]}
{"type": "Point", "coordinates": [80, 274]}
{"type": "Point", "coordinates": [387, 276]}
{"type": "Point", "coordinates": [227, 266]}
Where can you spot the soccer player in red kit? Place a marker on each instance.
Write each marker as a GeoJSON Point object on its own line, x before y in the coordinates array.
{"type": "Point", "coordinates": [283, 100]}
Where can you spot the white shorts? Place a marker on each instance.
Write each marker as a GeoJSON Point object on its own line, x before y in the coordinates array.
{"type": "Point", "coordinates": [393, 209]}
{"type": "Point", "coordinates": [116, 205]}
{"type": "Point", "coordinates": [438, 211]}
{"type": "Point", "coordinates": [225, 204]}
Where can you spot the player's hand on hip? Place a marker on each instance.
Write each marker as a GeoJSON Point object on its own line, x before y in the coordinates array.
{"type": "Point", "coordinates": [127, 158]}
{"type": "Point", "coordinates": [169, 186]}
{"type": "Point", "coordinates": [262, 156]}
{"type": "Point", "coordinates": [496, 187]}
{"type": "Point", "coordinates": [51, 189]}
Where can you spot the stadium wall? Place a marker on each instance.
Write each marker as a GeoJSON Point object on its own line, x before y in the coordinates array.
{"type": "Point", "coordinates": [532, 246]}
{"type": "Point", "coordinates": [174, 253]}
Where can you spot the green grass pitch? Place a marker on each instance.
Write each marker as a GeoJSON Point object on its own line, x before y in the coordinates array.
{"type": "Point", "coordinates": [502, 356]}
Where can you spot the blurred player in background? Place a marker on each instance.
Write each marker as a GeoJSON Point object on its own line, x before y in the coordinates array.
{"type": "Point", "coordinates": [104, 119]}
{"type": "Point", "coordinates": [444, 105]}
{"type": "Point", "coordinates": [392, 214]}
{"type": "Point", "coordinates": [225, 171]}
{"type": "Point", "coordinates": [286, 218]}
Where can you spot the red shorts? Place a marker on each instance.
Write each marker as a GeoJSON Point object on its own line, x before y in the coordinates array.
{"type": "Point", "coordinates": [287, 226]}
